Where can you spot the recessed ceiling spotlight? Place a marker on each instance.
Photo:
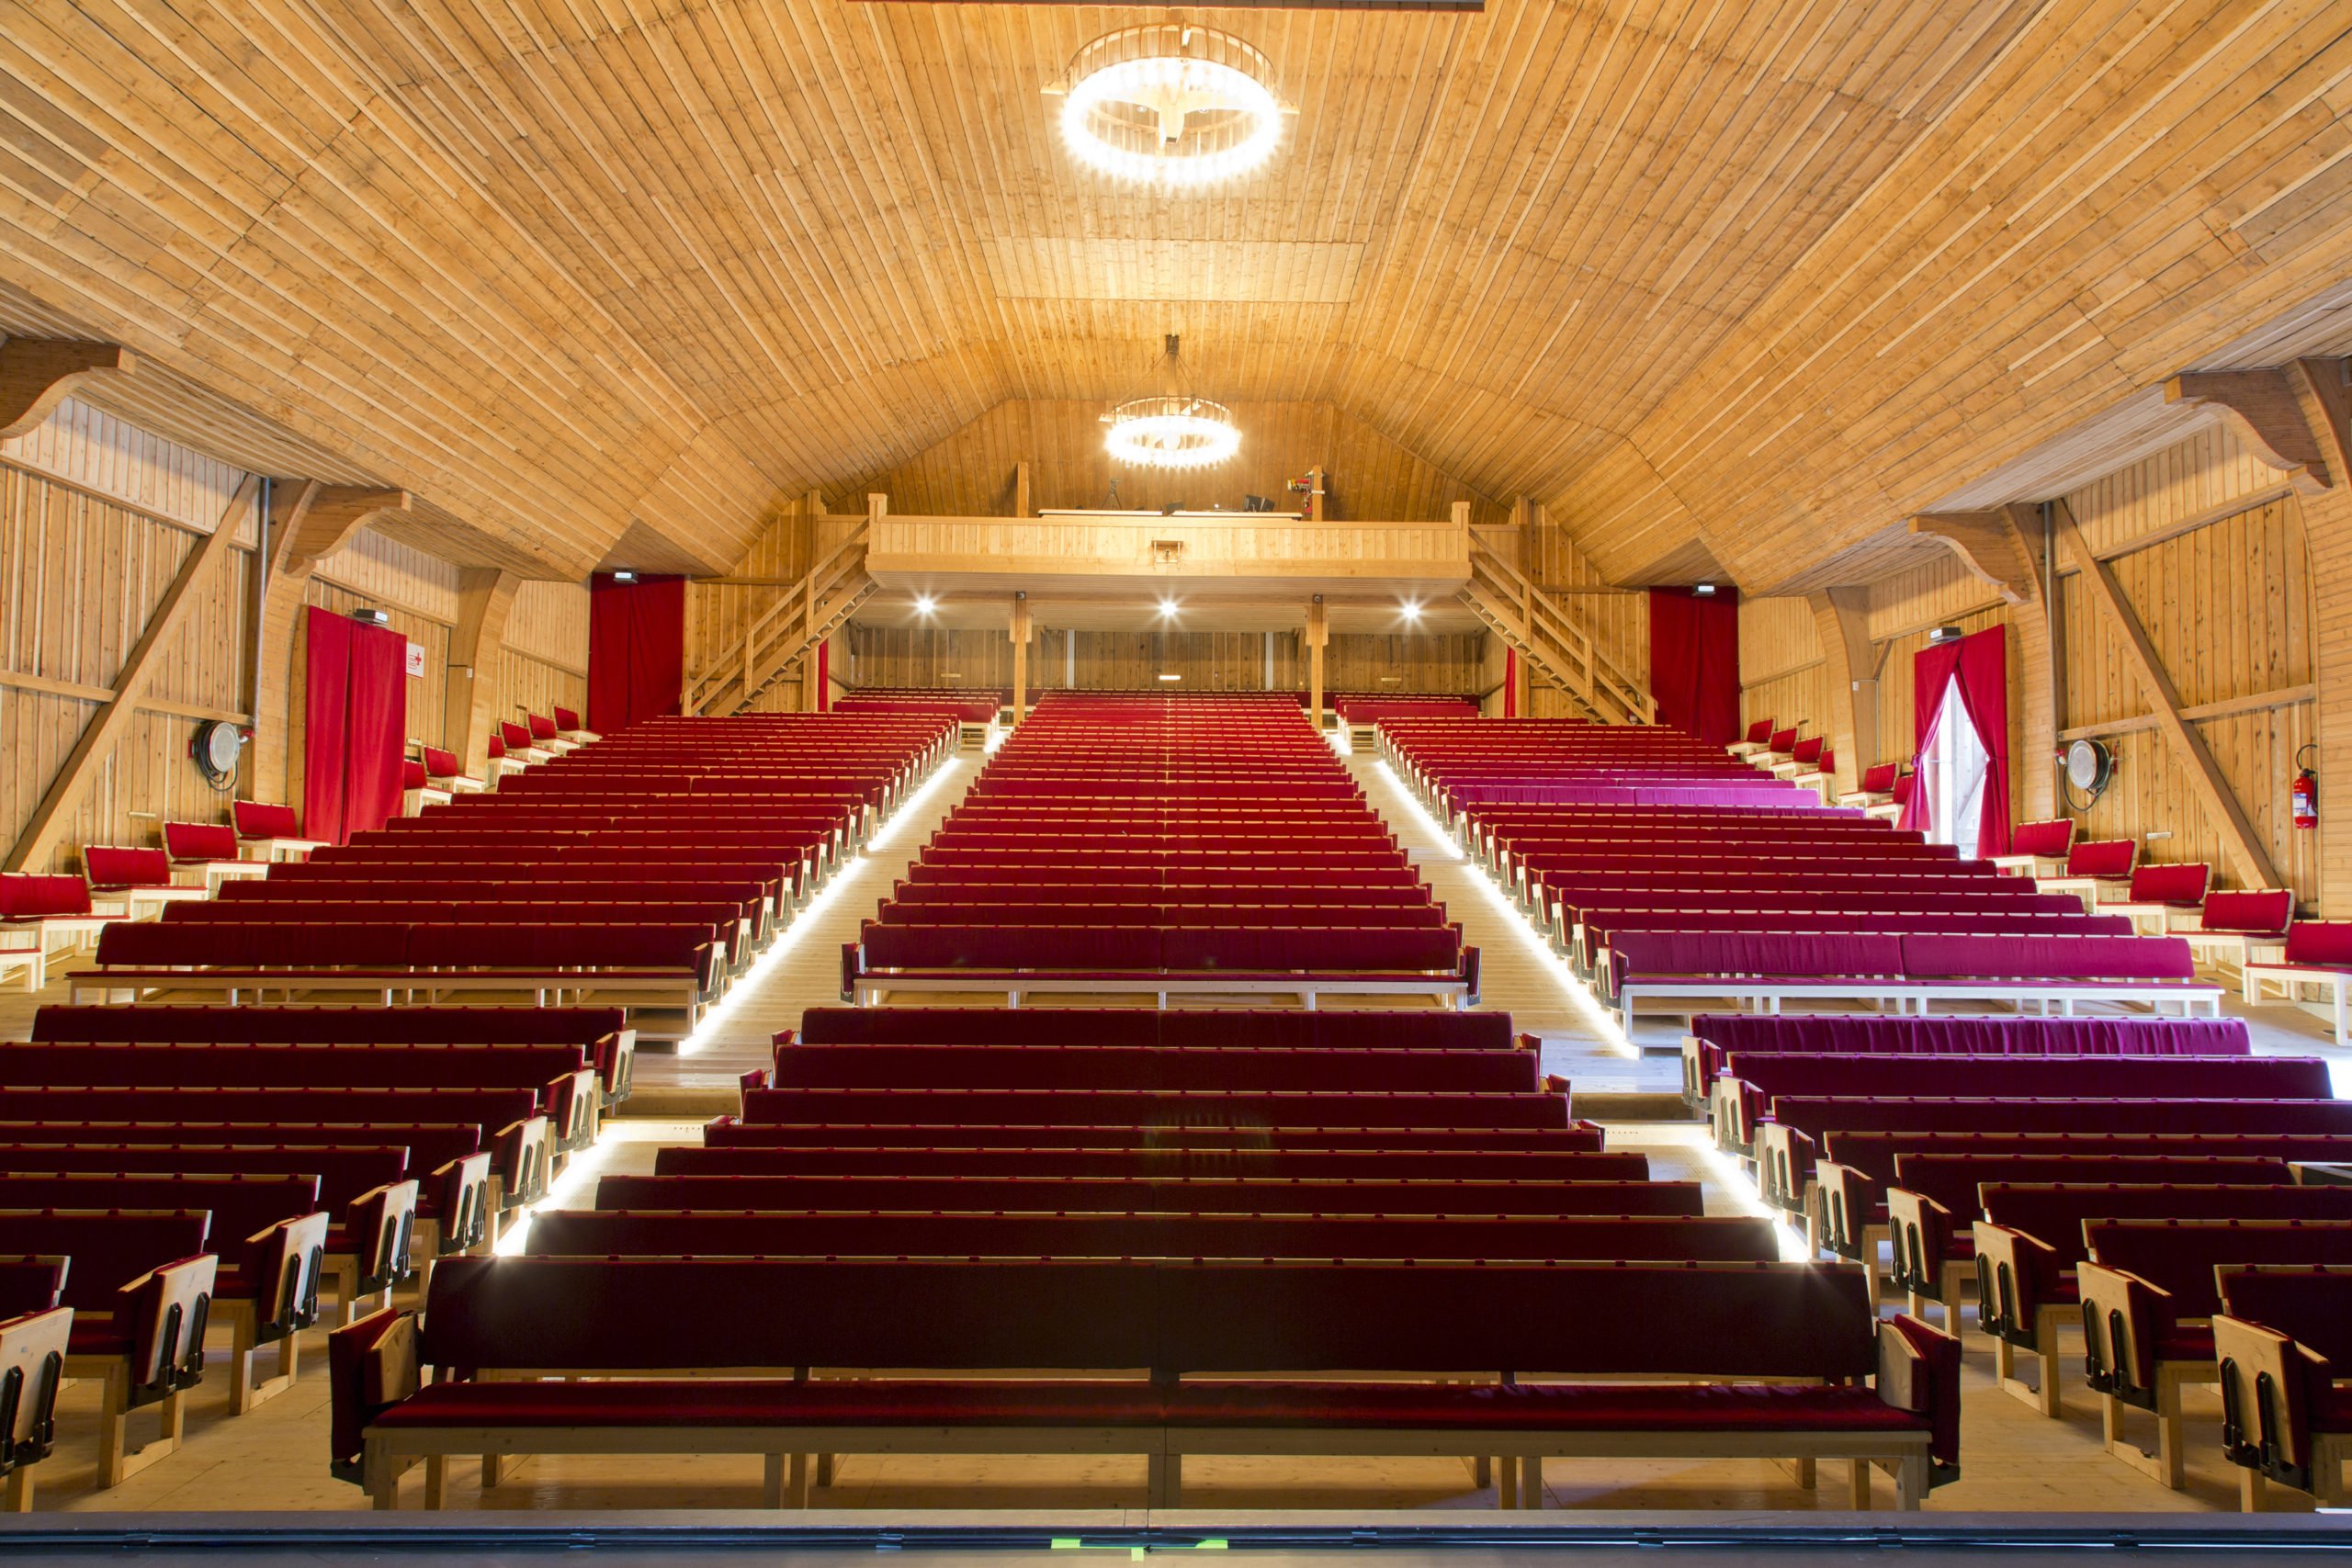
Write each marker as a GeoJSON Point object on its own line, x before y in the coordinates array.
{"type": "Point", "coordinates": [1703, 590]}
{"type": "Point", "coordinates": [1411, 609]}
{"type": "Point", "coordinates": [925, 603]}
{"type": "Point", "coordinates": [1168, 609]}
{"type": "Point", "coordinates": [1170, 675]}
{"type": "Point", "coordinates": [624, 577]}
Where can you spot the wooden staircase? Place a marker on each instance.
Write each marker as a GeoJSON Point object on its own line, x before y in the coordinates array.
{"type": "Point", "coordinates": [786, 633]}
{"type": "Point", "coordinates": [1550, 638]}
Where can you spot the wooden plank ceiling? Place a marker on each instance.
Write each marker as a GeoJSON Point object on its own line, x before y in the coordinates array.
{"type": "Point", "coordinates": [602, 280]}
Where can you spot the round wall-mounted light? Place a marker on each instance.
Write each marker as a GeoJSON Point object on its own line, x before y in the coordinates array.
{"type": "Point", "coordinates": [1172, 103]}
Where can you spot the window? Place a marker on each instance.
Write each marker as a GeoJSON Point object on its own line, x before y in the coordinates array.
{"type": "Point", "coordinates": [1952, 772]}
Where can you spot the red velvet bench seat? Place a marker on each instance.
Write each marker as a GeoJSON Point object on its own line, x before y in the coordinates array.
{"type": "Point", "coordinates": [1778, 1356]}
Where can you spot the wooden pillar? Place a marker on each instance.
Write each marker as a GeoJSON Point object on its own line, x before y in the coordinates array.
{"type": "Point", "coordinates": [1315, 512]}
{"type": "Point", "coordinates": [485, 597]}
{"type": "Point", "coordinates": [1021, 633]}
{"type": "Point", "coordinates": [1841, 621]}
{"type": "Point", "coordinates": [1021, 489]}
{"type": "Point", "coordinates": [2295, 417]}
{"type": "Point", "coordinates": [1318, 633]}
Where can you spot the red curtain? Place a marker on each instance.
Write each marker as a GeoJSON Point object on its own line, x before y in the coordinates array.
{"type": "Point", "coordinates": [355, 731]}
{"type": "Point", "coordinates": [1511, 683]}
{"type": "Point", "coordinates": [825, 676]}
{"type": "Point", "coordinates": [1694, 662]}
{"type": "Point", "coordinates": [1975, 670]}
{"type": "Point", "coordinates": [636, 649]}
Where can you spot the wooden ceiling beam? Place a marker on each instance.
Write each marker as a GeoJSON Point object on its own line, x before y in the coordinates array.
{"type": "Point", "coordinates": [1991, 545]}
{"type": "Point", "coordinates": [37, 373]}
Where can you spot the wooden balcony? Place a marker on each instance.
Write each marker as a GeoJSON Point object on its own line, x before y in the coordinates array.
{"type": "Point", "coordinates": [1242, 554]}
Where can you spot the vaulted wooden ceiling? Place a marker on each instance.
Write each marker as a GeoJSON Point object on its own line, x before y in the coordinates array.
{"type": "Point", "coordinates": [600, 279]}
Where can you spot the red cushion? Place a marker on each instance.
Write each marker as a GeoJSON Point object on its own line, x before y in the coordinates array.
{"type": "Point", "coordinates": [2051, 838]}
{"type": "Point", "coordinates": [200, 840]}
{"type": "Point", "coordinates": [111, 868]}
{"type": "Point", "coordinates": [31, 897]}
{"type": "Point", "coordinates": [256, 819]}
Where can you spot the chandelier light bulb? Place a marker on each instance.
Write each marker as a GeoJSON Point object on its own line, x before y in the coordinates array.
{"type": "Point", "coordinates": [1171, 105]}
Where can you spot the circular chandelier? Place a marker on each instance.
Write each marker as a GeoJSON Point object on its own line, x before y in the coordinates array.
{"type": "Point", "coordinates": [1171, 428]}
{"type": "Point", "coordinates": [1170, 103]}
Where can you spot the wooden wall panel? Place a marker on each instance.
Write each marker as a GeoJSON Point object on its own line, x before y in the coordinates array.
{"type": "Point", "coordinates": [549, 622]}
{"type": "Point", "coordinates": [79, 576]}
{"type": "Point", "coordinates": [1110, 660]}
{"type": "Point", "coordinates": [1368, 477]}
{"type": "Point", "coordinates": [527, 685]}
{"type": "Point", "coordinates": [393, 576]}
{"type": "Point", "coordinates": [2227, 607]}
{"type": "Point", "coordinates": [2206, 477]}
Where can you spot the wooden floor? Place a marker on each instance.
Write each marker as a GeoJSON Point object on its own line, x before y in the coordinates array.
{"type": "Point", "coordinates": [276, 1457]}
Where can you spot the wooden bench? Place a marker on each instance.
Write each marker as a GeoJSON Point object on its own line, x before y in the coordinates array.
{"type": "Point", "coordinates": [33, 1347]}
{"type": "Point", "coordinates": [2030, 1246]}
{"type": "Point", "coordinates": [1771, 1360]}
{"type": "Point", "coordinates": [2150, 1292]}
{"type": "Point", "coordinates": [141, 1287]}
{"type": "Point", "coordinates": [2283, 1340]}
{"type": "Point", "coordinates": [2316, 955]}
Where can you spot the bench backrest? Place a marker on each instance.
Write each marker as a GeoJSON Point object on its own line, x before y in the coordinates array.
{"type": "Point", "coordinates": [261, 820]}
{"type": "Point", "coordinates": [1759, 732]}
{"type": "Point", "coordinates": [542, 726]}
{"type": "Point", "coordinates": [109, 1248]}
{"type": "Point", "coordinates": [1140, 1168]}
{"type": "Point", "coordinates": [2310, 1304]}
{"type": "Point", "coordinates": [2179, 883]}
{"type": "Point", "coordinates": [1155, 1107]}
{"type": "Point", "coordinates": [566, 720]}
{"type": "Point", "coordinates": [1781, 741]}
{"type": "Point", "coordinates": [1742, 1320]}
{"type": "Point", "coordinates": [200, 841]}
{"type": "Point", "coordinates": [2182, 1257]}
{"type": "Point", "coordinates": [342, 1173]}
{"type": "Point", "coordinates": [240, 1202]}
{"type": "Point", "coordinates": [2266, 913]}
{"type": "Point", "coordinates": [515, 736]}
{"type": "Point", "coordinates": [1879, 1152]}
{"type": "Point", "coordinates": [440, 763]}
{"type": "Point", "coordinates": [1529, 1238]}
{"type": "Point", "coordinates": [1145, 1067]}
{"type": "Point", "coordinates": [2054, 958]}
{"type": "Point", "coordinates": [331, 1025]}
{"type": "Point", "coordinates": [2323, 943]}
{"type": "Point", "coordinates": [2050, 1113]}
{"type": "Point", "coordinates": [1980, 1036]}
{"type": "Point", "coordinates": [2055, 1215]}
{"type": "Point", "coordinates": [27, 898]}
{"type": "Point", "coordinates": [2053, 839]}
{"type": "Point", "coordinates": [2103, 857]}
{"type": "Point", "coordinates": [1953, 1180]}
{"type": "Point", "coordinates": [110, 866]}
{"type": "Point", "coordinates": [1148, 1193]}
{"type": "Point", "coordinates": [1293, 1030]}
{"type": "Point", "coordinates": [1880, 779]}
{"type": "Point", "coordinates": [240, 1064]}
{"type": "Point", "coordinates": [2146, 1077]}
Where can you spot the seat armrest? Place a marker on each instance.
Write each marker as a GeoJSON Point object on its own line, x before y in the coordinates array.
{"type": "Point", "coordinates": [1922, 1230]}
{"type": "Point", "coordinates": [372, 1365]}
{"type": "Point", "coordinates": [521, 1152]}
{"type": "Point", "coordinates": [2266, 1384]}
{"type": "Point", "coordinates": [2014, 1272]}
{"type": "Point", "coordinates": [462, 1190]}
{"type": "Point", "coordinates": [32, 1369]}
{"type": "Point", "coordinates": [382, 1222]}
{"type": "Point", "coordinates": [2123, 1315]}
{"type": "Point", "coordinates": [284, 1259]}
{"type": "Point", "coordinates": [1918, 1370]}
{"type": "Point", "coordinates": [166, 1310]}
{"type": "Point", "coordinates": [1846, 1206]}
{"type": "Point", "coordinates": [852, 956]}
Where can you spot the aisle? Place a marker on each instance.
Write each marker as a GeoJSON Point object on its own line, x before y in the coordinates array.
{"type": "Point", "coordinates": [800, 970]}
{"type": "Point", "coordinates": [1517, 972]}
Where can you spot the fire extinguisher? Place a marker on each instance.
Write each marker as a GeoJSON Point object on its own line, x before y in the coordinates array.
{"type": "Point", "coordinates": [2306, 791]}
